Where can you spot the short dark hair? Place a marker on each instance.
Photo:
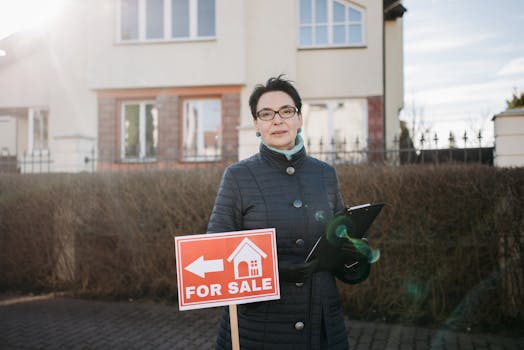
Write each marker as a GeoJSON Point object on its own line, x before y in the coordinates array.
{"type": "Point", "coordinates": [274, 84]}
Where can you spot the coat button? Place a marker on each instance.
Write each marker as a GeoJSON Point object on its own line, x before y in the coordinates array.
{"type": "Point", "coordinates": [299, 284]}
{"type": "Point", "coordinates": [299, 326]}
{"type": "Point", "coordinates": [297, 203]}
{"type": "Point", "coordinates": [299, 242]}
{"type": "Point", "coordinates": [290, 170]}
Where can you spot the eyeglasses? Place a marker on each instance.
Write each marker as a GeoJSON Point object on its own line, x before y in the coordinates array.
{"type": "Point", "coordinates": [285, 112]}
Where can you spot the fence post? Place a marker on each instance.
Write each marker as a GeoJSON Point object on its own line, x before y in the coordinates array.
{"type": "Point", "coordinates": [436, 147]}
{"type": "Point", "coordinates": [465, 138]}
{"type": "Point", "coordinates": [479, 137]}
{"type": "Point", "coordinates": [422, 140]}
{"type": "Point", "coordinates": [451, 144]}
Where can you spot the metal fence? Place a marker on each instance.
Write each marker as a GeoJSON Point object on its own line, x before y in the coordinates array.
{"type": "Point", "coordinates": [34, 162]}
{"type": "Point", "coordinates": [402, 151]}
{"type": "Point", "coordinates": [333, 152]}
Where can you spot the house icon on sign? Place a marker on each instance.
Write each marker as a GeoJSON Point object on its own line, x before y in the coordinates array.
{"type": "Point", "coordinates": [247, 259]}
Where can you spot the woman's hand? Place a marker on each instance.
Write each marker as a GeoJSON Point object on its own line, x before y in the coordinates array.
{"type": "Point", "coordinates": [354, 252]}
{"type": "Point", "coordinates": [296, 272]}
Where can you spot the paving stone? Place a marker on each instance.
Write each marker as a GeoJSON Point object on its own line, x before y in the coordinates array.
{"type": "Point", "coordinates": [64, 323]}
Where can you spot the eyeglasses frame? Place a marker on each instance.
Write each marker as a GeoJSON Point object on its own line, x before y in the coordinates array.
{"type": "Point", "coordinates": [277, 112]}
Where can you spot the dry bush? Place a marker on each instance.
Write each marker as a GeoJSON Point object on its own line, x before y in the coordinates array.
{"type": "Point", "coordinates": [439, 236]}
{"type": "Point", "coordinates": [28, 256]}
{"type": "Point", "coordinates": [103, 234]}
{"type": "Point", "coordinates": [451, 237]}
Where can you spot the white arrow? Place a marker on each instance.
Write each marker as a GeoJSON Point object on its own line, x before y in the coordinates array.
{"type": "Point", "coordinates": [200, 266]}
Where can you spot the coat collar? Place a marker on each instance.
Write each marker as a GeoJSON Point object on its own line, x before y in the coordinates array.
{"type": "Point", "coordinates": [279, 160]}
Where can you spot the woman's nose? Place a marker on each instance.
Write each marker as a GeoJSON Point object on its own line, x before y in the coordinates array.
{"type": "Point", "coordinates": [277, 120]}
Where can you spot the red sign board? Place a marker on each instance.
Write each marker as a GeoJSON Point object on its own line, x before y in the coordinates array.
{"type": "Point", "coordinates": [226, 268]}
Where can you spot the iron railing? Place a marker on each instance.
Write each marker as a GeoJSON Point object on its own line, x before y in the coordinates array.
{"type": "Point", "coordinates": [333, 151]}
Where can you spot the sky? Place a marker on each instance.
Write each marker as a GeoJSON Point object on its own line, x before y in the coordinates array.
{"type": "Point", "coordinates": [462, 60]}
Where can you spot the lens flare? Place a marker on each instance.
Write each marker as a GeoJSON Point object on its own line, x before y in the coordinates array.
{"type": "Point", "coordinates": [372, 254]}
{"type": "Point", "coordinates": [342, 231]}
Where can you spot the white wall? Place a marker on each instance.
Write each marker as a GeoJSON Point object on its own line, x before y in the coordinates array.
{"type": "Point", "coordinates": [394, 92]}
{"type": "Point", "coordinates": [345, 72]}
{"type": "Point", "coordinates": [116, 64]}
{"type": "Point", "coordinates": [271, 47]}
{"type": "Point", "coordinates": [509, 138]}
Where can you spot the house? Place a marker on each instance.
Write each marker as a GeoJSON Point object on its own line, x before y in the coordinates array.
{"type": "Point", "coordinates": [247, 259]}
{"type": "Point", "coordinates": [165, 83]}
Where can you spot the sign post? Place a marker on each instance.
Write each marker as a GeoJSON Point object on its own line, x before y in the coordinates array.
{"type": "Point", "coordinates": [227, 269]}
{"type": "Point", "coordinates": [233, 322]}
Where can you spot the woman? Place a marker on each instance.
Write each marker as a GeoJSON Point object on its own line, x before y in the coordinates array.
{"type": "Point", "coordinates": [282, 187]}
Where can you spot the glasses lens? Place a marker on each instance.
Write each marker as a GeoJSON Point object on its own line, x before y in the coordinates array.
{"type": "Point", "coordinates": [287, 112]}
{"type": "Point", "coordinates": [266, 114]}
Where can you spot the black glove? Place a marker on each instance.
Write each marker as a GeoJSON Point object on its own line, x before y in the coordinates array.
{"type": "Point", "coordinates": [356, 266]}
{"type": "Point", "coordinates": [296, 272]}
{"type": "Point", "coordinates": [353, 253]}
{"type": "Point", "coordinates": [329, 256]}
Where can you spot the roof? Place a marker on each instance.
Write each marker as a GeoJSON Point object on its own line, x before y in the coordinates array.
{"type": "Point", "coordinates": [514, 112]}
{"type": "Point", "coordinates": [241, 246]}
{"type": "Point", "coordinates": [393, 9]}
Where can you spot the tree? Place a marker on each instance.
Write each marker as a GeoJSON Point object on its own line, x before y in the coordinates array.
{"type": "Point", "coordinates": [407, 149]}
{"type": "Point", "coordinates": [516, 101]}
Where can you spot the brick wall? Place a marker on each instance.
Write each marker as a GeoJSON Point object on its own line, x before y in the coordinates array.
{"type": "Point", "coordinates": [230, 123]}
{"type": "Point", "coordinates": [169, 124]}
{"type": "Point", "coordinates": [375, 123]}
{"type": "Point", "coordinates": [107, 129]}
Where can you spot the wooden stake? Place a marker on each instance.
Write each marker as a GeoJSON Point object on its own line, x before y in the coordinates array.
{"type": "Point", "coordinates": [233, 320]}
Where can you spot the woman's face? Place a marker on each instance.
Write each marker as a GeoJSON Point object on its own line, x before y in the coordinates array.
{"type": "Point", "coordinates": [278, 133]}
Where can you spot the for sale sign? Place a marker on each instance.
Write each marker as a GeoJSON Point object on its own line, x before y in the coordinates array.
{"type": "Point", "coordinates": [226, 268]}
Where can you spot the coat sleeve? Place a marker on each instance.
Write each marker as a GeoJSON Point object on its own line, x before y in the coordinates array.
{"type": "Point", "coordinates": [333, 189]}
{"type": "Point", "coordinates": [226, 215]}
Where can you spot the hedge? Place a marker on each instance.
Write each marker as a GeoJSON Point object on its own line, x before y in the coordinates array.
{"type": "Point", "coordinates": [451, 238]}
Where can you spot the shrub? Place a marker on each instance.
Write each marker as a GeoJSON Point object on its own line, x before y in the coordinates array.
{"type": "Point", "coordinates": [450, 238]}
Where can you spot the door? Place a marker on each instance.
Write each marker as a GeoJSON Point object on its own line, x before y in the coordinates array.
{"type": "Point", "coordinates": [7, 136]}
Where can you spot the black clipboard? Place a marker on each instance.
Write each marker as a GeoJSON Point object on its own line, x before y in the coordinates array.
{"type": "Point", "coordinates": [357, 220]}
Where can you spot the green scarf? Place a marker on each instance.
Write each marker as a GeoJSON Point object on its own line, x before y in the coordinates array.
{"type": "Point", "coordinates": [299, 143]}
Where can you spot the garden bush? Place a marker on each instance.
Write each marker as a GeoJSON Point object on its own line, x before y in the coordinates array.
{"type": "Point", "coordinates": [450, 236]}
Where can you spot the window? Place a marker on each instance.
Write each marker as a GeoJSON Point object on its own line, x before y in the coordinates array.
{"type": "Point", "coordinates": [335, 127]}
{"type": "Point", "coordinates": [202, 130]}
{"type": "Point", "coordinates": [139, 130]}
{"type": "Point", "coordinates": [253, 269]}
{"type": "Point", "coordinates": [38, 133]}
{"type": "Point", "coordinates": [328, 23]}
{"type": "Point", "coordinates": [165, 20]}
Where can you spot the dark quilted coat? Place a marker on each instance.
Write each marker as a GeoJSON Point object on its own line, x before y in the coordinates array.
{"type": "Point", "coordinates": [296, 197]}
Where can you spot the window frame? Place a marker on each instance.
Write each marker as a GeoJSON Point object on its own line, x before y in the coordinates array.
{"type": "Point", "coordinates": [331, 24]}
{"type": "Point", "coordinates": [200, 158]}
{"type": "Point", "coordinates": [142, 138]}
{"type": "Point", "coordinates": [330, 109]}
{"type": "Point", "coordinates": [167, 27]}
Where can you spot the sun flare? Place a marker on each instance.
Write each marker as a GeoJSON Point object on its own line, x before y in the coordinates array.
{"type": "Point", "coordinates": [22, 15]}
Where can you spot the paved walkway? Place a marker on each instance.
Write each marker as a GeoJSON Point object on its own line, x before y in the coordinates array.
{"type": "Point", "coordinates": [65, 323]}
